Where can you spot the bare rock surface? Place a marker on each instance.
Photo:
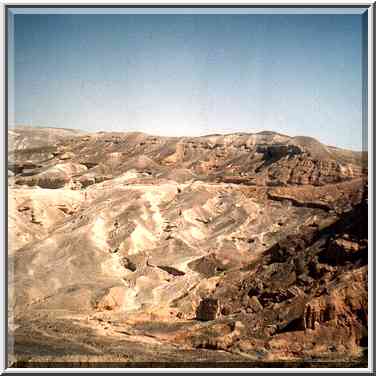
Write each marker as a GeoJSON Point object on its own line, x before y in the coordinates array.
{"type": "Point", "coordinates": [243, 249]}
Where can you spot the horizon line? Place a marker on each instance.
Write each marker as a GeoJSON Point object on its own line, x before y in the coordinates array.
{"type": "Point", "coordinates": [240, 133]}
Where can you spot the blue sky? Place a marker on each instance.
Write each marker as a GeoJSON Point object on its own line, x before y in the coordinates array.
{"type": "Point", "coordinates": [190, 74]}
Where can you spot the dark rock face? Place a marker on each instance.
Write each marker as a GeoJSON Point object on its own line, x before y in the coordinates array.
{"type": "Point", "coordinates": [128, 264]}
{"type": "Point", "coordinates": [171, 270]}
{"type": "Point", "coordinates": [208, 266]}
{"type": "Point", "coordinates": [278, 151]}
{"type": "Point", "coordinates": [127, 247]}
{"type": "Point", "coordinates": [208, 309]}
{"type": "Point", "coordinates": [330, 292]}
{"type": "Point", "coordinates": [342, 250]}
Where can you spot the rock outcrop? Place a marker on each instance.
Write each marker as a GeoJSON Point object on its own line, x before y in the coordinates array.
{"type": "Point", "coordinates": [208, 309]}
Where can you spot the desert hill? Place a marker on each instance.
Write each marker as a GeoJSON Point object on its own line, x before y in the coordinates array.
{"type": "Point", "coordinates": [127, 247]}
